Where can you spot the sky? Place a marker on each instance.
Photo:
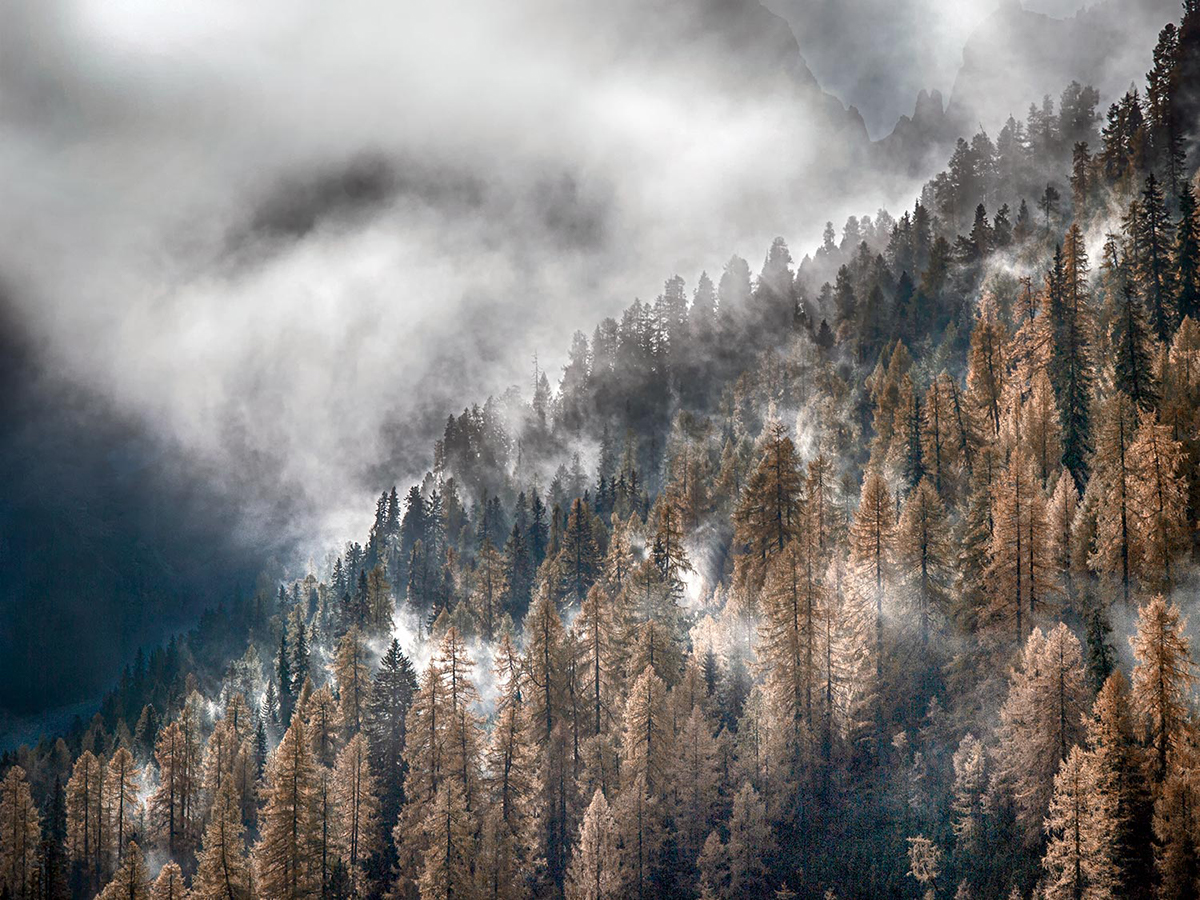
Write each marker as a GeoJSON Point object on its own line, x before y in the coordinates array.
{"type": "Point", "coordinates": [252, 255]}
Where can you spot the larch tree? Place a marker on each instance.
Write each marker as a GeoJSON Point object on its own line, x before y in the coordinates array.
{"type": "Point", "coordinates": [770, 511]}
{"type": "Point", "coordinates": [1060, 522]}
{"type": "Point", "coordinates": [463, 728]}
{"type": "Point", "coordinates": [220, 752]}
{"type": "Point", "coordinates": [1159, 498]}
{"type": "Point", "coordinates": [424, 763]}
{"type": "Point", "coordinates": [510, 781]}
{"type": "Point", "coordinates": [1121, 781]}
{"type": "Point", "coordinates": [1041, 426]}
{"type": "Point", "coordinates": [491, 587]}
{"type": "Point", "coordinates": [131, 880]}
{"type": "Point", "coordinates": [595, 868]}
{"type": "Point", "coordinates": [357, 810]}
{"type": "Point", "coordinates": [923, 557]}
{"type": "Point", "coordinates": [1018, 577]}
{"type": "Point", "coordinates": [85, 814]}
{"type": "Point", "coordinates": [1078, 859]}
{"type": "Point", "coordinates": [824, 509]}
{"type": "Point", "coordinates": [871, 549]}
{"type": "Point", "coordinates": [969, 804]}
{"type": "Point", "coordinates": [750, 844]}
{"type": "Point", "coordinates": [668, 549]}
{"type": "Point", "coordinates": [641, 825]}
{"type": "Point", "coordinates": [20, 837]}
{"type": "Point", "coordinates": [1162, 678]}
{"type": "Point", "coordinates": [1040, 721]}
{"type": "Point", "coordinates": [323, 724]}
{"type": "Point", "coordinates": [121, 797]}
{"type": "Point", "coordinates": [223, 870]}
{"type": "Point", "coordinates": [647, 741]}
{"type": "Point", "coordinates": [550, 658]}
{"type": "Point", "coordinates": [286, 857]}
{"type": "Point", "coordinates": [169, 885]}
{"type": "Point", "coordinates": [987, 365]}
{"type": "Point", "coordinates": [353, 680]}
{"type": "Point", "coordinates": [449, 839]}
{"type": "Point", "coordinates": [793, 609]}
{"type": "Point", "coordinates": [599, 643]}
{"type": "Point", "coordinates": [695, 781]}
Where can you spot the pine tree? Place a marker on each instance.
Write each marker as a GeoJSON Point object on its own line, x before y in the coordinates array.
{"type": "Point", "coordinates": [223, 871]}
{"type": "Point", "coordinates": [20, 837]}
{"type": "Point", "coordinates": [132, 879]}
{"type": "Point", "coordinates": [388, 703]}
{"type": "Point", "coordinates": [1129, 338]}
{"type": "Point", "coordinates": [1162, 678]}
{"type": "Point", "coordinates": [594, 872]}
{"type": "Point", "coordinates": [286, 856]}
{"type": "Point", "coordinates": [923, 561]}
{"type": "Point", "coordinates": [1152, 236]}
{"type": "Point", "coordinates": [1187, 256]}
{"type": "Point", "coordinates": [518, 574]}
{"type": "Point", "coordinates": [357, 803]}
{"type": "Point", "coordinates": [298, 648]}
{"type": "Point", "coordinates": [283, 673]}
{"type": "Point", "coordinates": [1116, 548]}
{"type": "Point", "coordinates": [578, 559]}
{"type": "Point", "coordinates": [1071, 367]}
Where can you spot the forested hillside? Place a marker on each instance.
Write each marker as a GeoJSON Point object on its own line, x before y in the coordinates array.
{"type": "Point", "coordinates": [864, 576]}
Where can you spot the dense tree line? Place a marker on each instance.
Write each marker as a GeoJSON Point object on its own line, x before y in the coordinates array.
{"type": "Point", "coordinates": [812, 583]}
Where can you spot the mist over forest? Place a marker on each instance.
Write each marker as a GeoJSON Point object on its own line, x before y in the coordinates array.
{"type": "Point", "coordinates": [703, 450]}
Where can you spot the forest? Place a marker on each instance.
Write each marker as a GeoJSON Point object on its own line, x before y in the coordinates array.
{"type": "Point", "coordinates": [867, 575]}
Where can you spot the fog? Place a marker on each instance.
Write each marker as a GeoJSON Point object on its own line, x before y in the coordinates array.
{"type": "Point", "coordinates": [252, 255]}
